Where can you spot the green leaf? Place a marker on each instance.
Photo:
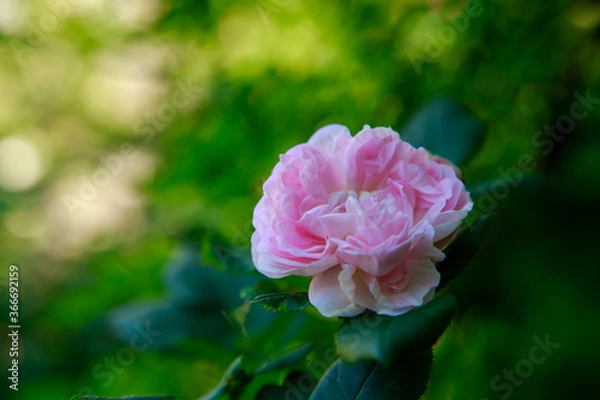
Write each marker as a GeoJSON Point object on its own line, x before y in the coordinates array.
{"type": "Point", "coordinates": [294, 301]}
{"type": "Point", "coordinates": [287, 360]}
{"type": "Point", "coordinates": [405, 379]}
{"type": "Point", "coordinates": [462, 250]}
{"type": "Point", "coordinates": [486, 187]}
{"type": "Point", "coordinates": [199, 298]}
{"type": "Point", "coordinates": [234, 376]}
{"type": "Point", "coordinates": [445, 128]}
{"type": "Point", "coordinates": [193, 285]}
{"type": "Point", "coordinates": [130, 398]}
{"type": "Point", "coordinates": [384, 338]}
{"type": "Point", "coordinates": [163, 325]}
{"type": "Point", "coordinates": [235, 379]}
{"type": "Point", "coordinates": [297, 385]}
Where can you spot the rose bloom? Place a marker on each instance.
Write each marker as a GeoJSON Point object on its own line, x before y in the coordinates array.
{"type": "Point", "coordinates": [365, 216]}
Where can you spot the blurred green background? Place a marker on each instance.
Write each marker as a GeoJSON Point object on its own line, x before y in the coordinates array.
{"type": "Point", "coordinates": [131, 127]}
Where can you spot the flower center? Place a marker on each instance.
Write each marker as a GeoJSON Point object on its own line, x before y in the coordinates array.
{"type": "Point", "coordinates": [361, 195]}
{"type": "Point", "coordinates": [342, 196]}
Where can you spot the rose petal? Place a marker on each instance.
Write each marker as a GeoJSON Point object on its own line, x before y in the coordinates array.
{"type": "Point", "coordinates": [326, 294]}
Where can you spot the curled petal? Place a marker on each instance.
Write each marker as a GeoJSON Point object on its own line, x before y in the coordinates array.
{"type": "Point", "coordinates": [326, 294]}
{"type": "Point", "coordinates": [415, 288]}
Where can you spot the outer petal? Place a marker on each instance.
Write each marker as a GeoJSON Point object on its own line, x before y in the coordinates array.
{"type": "Point", "coordinates": [447, 222]}
{"type": "Point", "coordinates": [276, 253]}
{"type": "Point", "coordinates": [326, 294]}
{"type": "Point", "coordinates": [331, 138]}
{"type": "Point", "coordinates": [355, 288]}
{"type": "Point", "coordinates": [415, 288]}
{"type": "Point", "coordinates": [368, 133]}
{"type": "Point", "coordinates": [270, 262]}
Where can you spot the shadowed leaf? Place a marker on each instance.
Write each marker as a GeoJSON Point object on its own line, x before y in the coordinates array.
{"type": "Point", "coordinates": [384, 338]}
{"type": "Point", "coordinates": [234, 376]}
{"type": "Point", "coordinates": [462, 250]}
{"type": "Point", "coordinates": [130, 398]}
{"type": "Point", "coordinates": [191, 284]}
{"type": "Point", "coordinates": [283, 301]}
{"type": "Point", "coordinates": [297, 386]}
{"type": "Point", "coordinates": [445, 128]}
{"type": "Point", "coordinates": [405, 379]}
{"type": "Point", "coordinates": [161, 325]}
{"type": "Point", "coordinates": [287, 360]}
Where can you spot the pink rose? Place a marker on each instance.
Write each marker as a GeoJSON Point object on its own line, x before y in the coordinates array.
{"type": "Point", "coordinates": [366, 216]}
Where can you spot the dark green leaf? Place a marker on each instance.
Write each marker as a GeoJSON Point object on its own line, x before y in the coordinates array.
{"type": "Point", "coordinates": [191, 284]}
{"type": "Point", "coordinates": [509, 180]}
{"type": "Point", "coordinates": [297, 386]}
{"type": "Point", "coordinates": [405, 379]}
{"type": "Point", "coordinates": [271, 392]}
{"type": "Point", "coordinates": [233, 376]}
{"type": "Point", "coordinates": [287, 360]}
{"type": "Point", "coordinates": [385, 338]}
{"type": "Point", "coordinates": [460, 252]}
{"type": "Point", "coordinates": [130, 398]}
{"type": "Point", "coordinates": [295, 301]}
{"type": "Point", "coordinates": [258, 321]}
{"type": "Point", "coordinates": [199, 299]}
{"type": "Point", "coordinates": [445, 128]}
{"type": "Point", "coordinates": [161, 325]}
